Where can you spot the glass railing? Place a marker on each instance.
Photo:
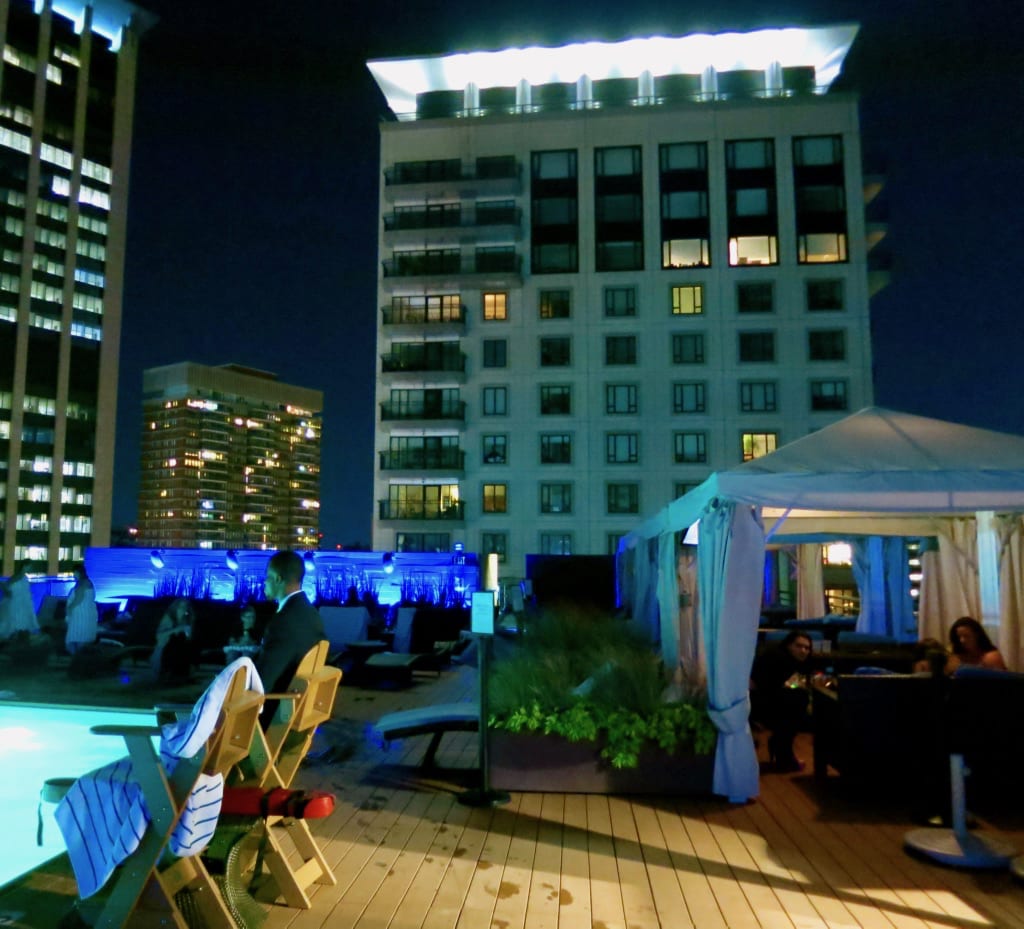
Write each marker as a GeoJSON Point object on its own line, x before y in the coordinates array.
{"type": "Point", "coordinates": [423, 460]}
{"type": "Point", "coordinates": [419, 509]}
{"type": "Point", "coordinates": [403, 411]}
{"type": "Point", "coordinates": [422, 315]}
{"type": "Point", "coordinates": [417, 264]}
{"type": "Point", "coordinates": [418, 362]}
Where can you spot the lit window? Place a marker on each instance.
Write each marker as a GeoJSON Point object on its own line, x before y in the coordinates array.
{"type": "Point", "coordinates": [757, 444]}
{"type": "Point", "coordinates": [495, 306]}
{"type": "Point", "coordinates": [685, 253]}
{"type": "Point", "coordinates": [821, 248]}
{"type": "Point", "coordinates": [753, 250]}
{"type": "Point", "coordinates": [495, 498]}
{"type": "Point", "coordinates": [688, 300]}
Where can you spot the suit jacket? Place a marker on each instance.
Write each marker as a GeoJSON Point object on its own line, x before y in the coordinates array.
{"type": "Point", "coordinates": [291, 632]}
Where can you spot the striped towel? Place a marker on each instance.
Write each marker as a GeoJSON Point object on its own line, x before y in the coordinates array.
{"type": "Point", "coordinates": [103, 816]}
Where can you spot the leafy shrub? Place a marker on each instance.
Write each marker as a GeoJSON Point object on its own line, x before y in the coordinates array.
{"type": "Point", "coordinates": [591, 677]}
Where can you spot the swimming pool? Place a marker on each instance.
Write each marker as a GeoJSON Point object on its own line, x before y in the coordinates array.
{"type": "Point", "coordinates": [39, 742]}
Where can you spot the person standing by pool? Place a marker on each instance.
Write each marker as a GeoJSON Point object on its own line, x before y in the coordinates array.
{"type": "Point", "coordinates": [292, 631]}
{"type": "Point", "coordinates": [17, 612]}
{"type": "Point", "coordinates": [81, 612]}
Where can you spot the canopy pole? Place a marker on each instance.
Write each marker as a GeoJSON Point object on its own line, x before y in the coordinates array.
{"type": "Point", "coordinates": [988, 568]}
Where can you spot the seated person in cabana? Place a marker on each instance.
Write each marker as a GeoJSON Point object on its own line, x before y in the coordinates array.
{"type": "Point", "coordinates": [929, 657]}
{"type": "Point", "coordinates": [972, 647]}
{"type": "Point", "coordinates": [778, 697]}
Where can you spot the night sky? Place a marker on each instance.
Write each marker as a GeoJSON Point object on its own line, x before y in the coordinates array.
{"type": "Point", "coordinates": [252, 210]}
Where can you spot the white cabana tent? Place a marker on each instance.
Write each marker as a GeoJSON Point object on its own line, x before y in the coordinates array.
{"type": "Point", "coordinates": [875, 473]}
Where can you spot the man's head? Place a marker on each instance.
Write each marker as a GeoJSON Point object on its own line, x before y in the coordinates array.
{"type": "Point", "coordinates": [285, 571]}
{"type": "Point", "coordinates": [798, 644]}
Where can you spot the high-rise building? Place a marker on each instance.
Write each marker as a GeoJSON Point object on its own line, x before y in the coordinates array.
{"type": "Point", "coordinates": [230, 459]}
{"type": "Point", "coordinates": [607, 270]}
{"type": "Point", "coordinates": [67, 86]}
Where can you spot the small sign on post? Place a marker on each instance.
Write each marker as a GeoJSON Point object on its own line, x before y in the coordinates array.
{"type": "Point", "coordinates": [482, 616]}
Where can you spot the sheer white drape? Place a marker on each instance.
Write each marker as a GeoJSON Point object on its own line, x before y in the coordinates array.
{"type": "Point", "coordinates": [810, 586]}
{"type": "Point", "coordinates": [731, 541]}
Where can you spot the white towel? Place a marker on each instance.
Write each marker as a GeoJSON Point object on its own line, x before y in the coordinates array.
{"type": "Point", "coordinates": [103, 816]}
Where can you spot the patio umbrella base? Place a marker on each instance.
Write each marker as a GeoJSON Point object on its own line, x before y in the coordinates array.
{"type": "Point", "coordinates": [960, 849]}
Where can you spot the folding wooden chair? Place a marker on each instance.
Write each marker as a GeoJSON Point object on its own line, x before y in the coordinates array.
{"type": "Point", "coordinates": [144, 886]}
{"type": "Point", "coordinates": [273, 761]}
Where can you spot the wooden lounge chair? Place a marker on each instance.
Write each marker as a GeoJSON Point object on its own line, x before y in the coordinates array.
{"type": "Point", "coordinates": [144, 886]}
{"type": "Point", "coordinates": [273, 761]}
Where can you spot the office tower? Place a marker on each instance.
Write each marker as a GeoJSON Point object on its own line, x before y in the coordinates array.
{"type": "Point", "coordinates": [230, 459]}
{"type": "Point", "coordinates": [608, 269]}
{"type": "Point", "coordinates": [67, 86]}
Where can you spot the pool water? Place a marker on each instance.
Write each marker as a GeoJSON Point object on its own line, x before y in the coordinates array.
{"type": "Point", "coordinates": [38, 743]}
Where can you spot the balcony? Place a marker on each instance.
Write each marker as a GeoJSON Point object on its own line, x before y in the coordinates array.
{"type": "Point", "coordinates": [405, 320]}
{"type": "Point", "coordinates": [419, 510]}
{"type": "Point", "coordinates": [422, 360]}
{"type": "Point", "coordinates": [420, 459]}
{"type": "Point", "coordinates": [452, 224]}
{"type": "Point", "coordinates": [449, 269]}
{"type": "Point", "coordinates": [425, 413]}
{"type": "Point", "coordinates": [489, 177]}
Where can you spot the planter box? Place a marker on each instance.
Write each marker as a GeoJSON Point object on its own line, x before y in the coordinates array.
{"type": "Point", "coordinates": [531, 762]}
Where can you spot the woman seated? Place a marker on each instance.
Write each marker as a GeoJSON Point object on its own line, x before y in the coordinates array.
{"type": "Point", "coordinates": [779, 699]}
{"type": "Point", "coordinates": [972, 647]}
{"type": "Point", "coordinates": [172, 655]}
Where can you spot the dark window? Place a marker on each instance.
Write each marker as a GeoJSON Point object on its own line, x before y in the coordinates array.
{"type": "Point", "coordinates": [620, 398]}
{"type": "Point", "coordinates": [620, 301]}
{"type": "Point", "coordinates": [826, 345]}
{"type": "Point", "coordinates": [755, 297]}
{"type": "Point", "coordinates": [757, 346]}
{"type": "Point", "coordinates": [623, 498]}
{"type": "Point", "coordinates": [828, 395]}
{"type": "Point", "coordinates": [556, 498]}
{"type": "Point", "coordinates": [823, 296]}
{"type": "Point", "coordinates": [555, 351]}
{"type": "Point", "coordinates": [757, 397]}
{"type": "Point", "coordinates": [495, 351]}
{"type": "Point", "coordinates": [495, 448]}
{"type": "Point", "coordinates": [622, 447]}
{"type": "Point", "coordinates": [688, 397]}
{"type": "Point", "coordinates": [620, 350]}
{"type": "Point", "coordinates": [690, 447]}
{"type": "Point", "coordinates": [555, 400]}
{"type": "Point", "coordinates": [555, 449]}
{"type": "Point", "coordinates": [554, 304]}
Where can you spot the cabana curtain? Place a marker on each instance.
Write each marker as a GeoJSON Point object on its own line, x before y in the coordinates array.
{"type": "Point", "coordinates": [731, 538]}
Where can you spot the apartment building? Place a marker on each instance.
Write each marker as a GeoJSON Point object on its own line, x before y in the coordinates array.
{"type": "Point", "coordinates": [608, 269]}
{"type": "Point", "coordinates": [230, 459]}
{"type": "Point", "coordinates": [67, 86]}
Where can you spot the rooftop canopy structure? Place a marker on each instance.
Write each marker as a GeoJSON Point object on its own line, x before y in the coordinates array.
{"type": "Point", "coordinates": [771, 51]}
{"type": "Point", "coordinates": [875, 473]}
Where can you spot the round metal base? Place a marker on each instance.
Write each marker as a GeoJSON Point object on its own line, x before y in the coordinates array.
{"type": "Point", "coordinates": [960, 850]}
{"type": "Point", "coordinates": [483, 797]}
{"type": "Point", "coordinates": [1017, 867]}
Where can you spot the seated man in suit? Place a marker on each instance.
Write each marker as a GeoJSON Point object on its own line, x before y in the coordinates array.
{"type": "Point", "coordinates": [292, 631]}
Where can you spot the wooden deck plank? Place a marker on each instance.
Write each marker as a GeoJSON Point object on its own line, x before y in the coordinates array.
{"type": "Point", "coordinates": [544, 902]}
{"type": "Point", "coordinates": [669, 901]}
{"type": "Point", "coordinates": [513, 891]}
{"type": "Point", "coordinates": [605, 887]}
{"type": "Point", "coordinates": [574, 897]}
{"type": "Point", "coordinates": [635, 885]}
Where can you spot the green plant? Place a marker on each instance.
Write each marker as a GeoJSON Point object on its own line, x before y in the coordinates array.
{"type": "Point", "coordinates": [591, 677]}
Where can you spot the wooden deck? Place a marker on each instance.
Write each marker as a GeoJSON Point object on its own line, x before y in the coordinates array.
{"type": "Point", "coordinates": [408, 855]}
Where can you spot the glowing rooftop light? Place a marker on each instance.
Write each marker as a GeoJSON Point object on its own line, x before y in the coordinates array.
{"type": "Point", "coordinates": [822, 48]}
{"type": "Point", "coordinates": [109, 17]}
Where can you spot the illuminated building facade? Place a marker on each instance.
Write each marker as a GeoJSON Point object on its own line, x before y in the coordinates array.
{"type": "Point", "coordinates": [230, 459]}
{"type": "Point", "coordinates": [67, 86]}
{"type": "Point", "coordinates": [606, 271]}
